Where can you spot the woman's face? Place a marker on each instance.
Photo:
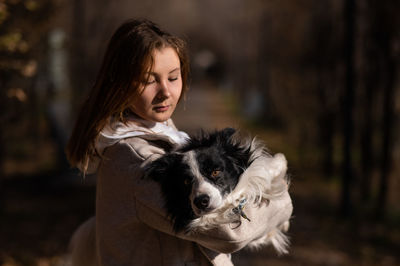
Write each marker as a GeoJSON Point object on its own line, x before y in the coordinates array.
{"type": "Point", "coordinates": [163, 89]}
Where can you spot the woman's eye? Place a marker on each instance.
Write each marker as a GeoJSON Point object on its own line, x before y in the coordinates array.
{"type": "Point", "coordinates": [149, 79]}
{"type": "Point", "coordinates": [215, 173]}
{"type": "Point", "coordinates": [172, 79]}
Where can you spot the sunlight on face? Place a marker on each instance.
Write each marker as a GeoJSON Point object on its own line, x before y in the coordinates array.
{"type": "Point", "coordinates": [161, 93]}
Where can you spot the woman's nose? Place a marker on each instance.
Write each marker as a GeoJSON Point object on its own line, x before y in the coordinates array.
{"type": "Point", "coordinates": [164, 89]}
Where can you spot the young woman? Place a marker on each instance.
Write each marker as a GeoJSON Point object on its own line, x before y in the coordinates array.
{"type": "Point", "coordinates": [125, 123]}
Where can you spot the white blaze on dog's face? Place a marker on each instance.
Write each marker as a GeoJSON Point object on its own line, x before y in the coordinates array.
{"type": "Point", "coordinates": [205, 197]}
{"type": "Point", "coordinates": [196, 178]}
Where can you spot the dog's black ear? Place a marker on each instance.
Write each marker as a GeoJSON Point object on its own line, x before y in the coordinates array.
{"type": "Point", "coordinates": [226, 133]}
{"type": "Point", "coordinates": [236, 146]}
{"type": "Point", "coordinates": [224, 136]}
{"type": "Point", "coordinates": [158, 169]}
{"type": "Point", "coordinates": [227, 137]}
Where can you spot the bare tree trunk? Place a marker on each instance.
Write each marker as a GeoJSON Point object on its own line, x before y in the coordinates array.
{"type": "Point", "coordinates": [386, 34]}
{"type": "Point", "coordinates": [326, 122]}
{"type": "Point", "coordinates": [4, 119]}
{"type": "Point", "coordinates": [348, 105]}
{"type": "Point", "coordinates": [78, 53]}
{"type": "Point", "coordinates": [371, 77]}
{"type": "Point", "coordinates": [324, 56]}
{"type": "Point", "coordinates": [5, 114]}
{"type": "Point", "coordinates": [366, 137]}
{"type": "Point", "coordinates": [387, 137]}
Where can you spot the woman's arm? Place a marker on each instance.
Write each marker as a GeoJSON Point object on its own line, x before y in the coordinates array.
{"type": "Point", "coordinates": [225, 238]}
{"type": "Point", "coordinates": [123, 164]}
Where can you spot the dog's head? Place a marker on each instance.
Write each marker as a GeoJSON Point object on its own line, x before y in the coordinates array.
{"type": "Point", "coordinates": [197, 176]}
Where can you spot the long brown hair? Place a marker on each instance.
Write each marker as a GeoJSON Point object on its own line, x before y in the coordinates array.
{"type": "Point", "coordinates": [128, 57]}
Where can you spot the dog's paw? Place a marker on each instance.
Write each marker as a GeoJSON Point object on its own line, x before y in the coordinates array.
{"type": "Point", "coordinates": [278, 166]}
{"type": "Point", "coordinates": [285, 226]}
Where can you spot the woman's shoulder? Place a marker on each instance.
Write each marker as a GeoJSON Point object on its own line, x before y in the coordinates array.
{"type": "Point", "coordinates": [138, 147]}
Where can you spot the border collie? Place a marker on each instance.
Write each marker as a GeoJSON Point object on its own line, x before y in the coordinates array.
{"type": "Point", "coordinates": [209, 180]}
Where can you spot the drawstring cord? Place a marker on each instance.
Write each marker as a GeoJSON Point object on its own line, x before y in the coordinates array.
{"type": "Point", "coordinates": [239, 209]}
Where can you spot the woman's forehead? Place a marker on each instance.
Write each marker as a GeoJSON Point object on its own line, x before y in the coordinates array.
{"type": "Point", "coordinates": [165, 60]}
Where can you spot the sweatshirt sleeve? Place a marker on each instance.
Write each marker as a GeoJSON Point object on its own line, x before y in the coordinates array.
{"type": "Point", "coordinates": [148, 203]}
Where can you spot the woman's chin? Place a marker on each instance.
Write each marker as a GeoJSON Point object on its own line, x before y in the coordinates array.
{"type": "Point", "coordinates": [160, 117]}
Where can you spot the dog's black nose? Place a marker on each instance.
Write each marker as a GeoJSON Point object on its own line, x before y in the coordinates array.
{"type": "Point", "coordinates": [202, 201]}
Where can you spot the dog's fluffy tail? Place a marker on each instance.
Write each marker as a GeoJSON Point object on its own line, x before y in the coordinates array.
{"type": "Point", "coordinates": [82, 250]}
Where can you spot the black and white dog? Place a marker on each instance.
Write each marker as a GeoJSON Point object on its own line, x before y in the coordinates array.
{"type": "Point", "coordinates": [208, 180]}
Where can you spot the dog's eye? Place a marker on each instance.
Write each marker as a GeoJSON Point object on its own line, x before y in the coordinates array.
{"type": "Point", "coordinates": [215, 173]}
{"type": "Point", "coordinates": [187, 181]}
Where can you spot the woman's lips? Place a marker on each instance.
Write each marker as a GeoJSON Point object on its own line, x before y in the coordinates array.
{"type": "Point", "coordinates": [161, 109]}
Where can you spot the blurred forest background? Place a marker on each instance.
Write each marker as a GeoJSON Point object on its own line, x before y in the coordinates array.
{"type": "Point", "coordinates": [315, 79]}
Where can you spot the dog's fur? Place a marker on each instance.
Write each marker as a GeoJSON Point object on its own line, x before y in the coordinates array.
{"type": "Point", "coordinates": [204, 181]}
